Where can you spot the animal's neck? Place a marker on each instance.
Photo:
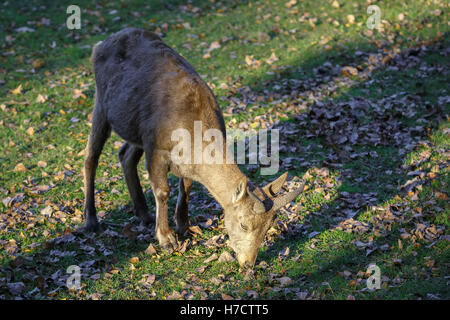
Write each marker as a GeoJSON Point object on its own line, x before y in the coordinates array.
{"type": "Point", "coordinates": [221, 181]}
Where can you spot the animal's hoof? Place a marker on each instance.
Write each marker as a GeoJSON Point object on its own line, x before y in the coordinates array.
{"type": "Point", "coordinates": [168, 249]}
{"type": "Point", "coordinates": [145, 217]}
{"type": "Point", "coordinates": [181, 230]}
{"type": "Point", "coordinates": [167, 242]}
{"type": "Point", "coordinates": [90, 227]}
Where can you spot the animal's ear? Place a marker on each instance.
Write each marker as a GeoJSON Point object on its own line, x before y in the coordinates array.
{"type": "Point", "coordinates": [240, 191]}
{"type": "Point", "coordinates": [258, 205]}
{"type": "Point", "coordinates": [272, 188]}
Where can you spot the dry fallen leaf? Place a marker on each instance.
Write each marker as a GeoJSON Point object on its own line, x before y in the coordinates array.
{"type": "Point", "coordinates": [211, 258]}
{"type": "Point", "coordinates": [351, 19]}
{"type": "Point", "coordinates": [174, 296]}
{"type": "Point", "coordinates": [38, 63]}
{"type": "Point", "coordinates": [20, 168]}
{"type": "Point", "coordinates": [195, 230]}
{"type": "Point", "coordinates": [150, 250]}
{"type": "Point", "coordinates": [284, 281]}
{"type": "Point", "coordinates": [41, 98]}
{"type": "Point", "coordinates": [134, 260]}
{"type": "Point", "coordinates": [214, 45]}
{"type": "Point", "coordinates": [441, 196]}
{"type": "Point", "coordinates": [30, 131]}
{"type": "Point", "coordinates": [349, 71]}
{"type": "Point", "coordinates": [225, 257]}
{"type": "Point", "coordinates": [200, 269]}
{"type": "Point", "coordinates": [290, 3]}
{"type": "Point", "coordinates": [273, 58]}
{"type": "Point", "coordinates": [252, 62]}
{"type": "Point", "coordinates": [42, 164]}
{"type": "Point", "coordinates": [78, 93]}
{"type": "Point", "coordinates": [47, 211]}
{"type": "Point", "coordinates": [17, 90]}
{"type": "Point", "coordinates": [147, 280]}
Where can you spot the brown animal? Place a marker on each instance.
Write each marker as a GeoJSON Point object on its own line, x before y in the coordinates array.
{"type": "Point", "coordinates": [145, 90]}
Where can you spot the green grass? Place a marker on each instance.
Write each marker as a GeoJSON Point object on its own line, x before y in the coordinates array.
{"type": "Point", "coordinates": [244, 28]}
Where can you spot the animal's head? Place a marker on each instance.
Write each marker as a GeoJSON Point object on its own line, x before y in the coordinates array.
{"type": "Point", "coordinates": [251, 215]}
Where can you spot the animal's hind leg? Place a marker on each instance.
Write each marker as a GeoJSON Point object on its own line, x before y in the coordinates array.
{"type": "Point", "coordinates": [181, 211]}
{"type": "Point", "coordinates": [100, 132]}
{"type": "Point", "coordinates": [129, 157]}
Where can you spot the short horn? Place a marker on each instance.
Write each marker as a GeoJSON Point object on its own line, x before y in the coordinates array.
{"type": "Point", "coordinates": [281, 201]}
{"type": "Point", "coordinates": [272, 188]}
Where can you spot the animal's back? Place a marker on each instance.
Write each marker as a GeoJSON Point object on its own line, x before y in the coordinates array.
{"type": "Point", "coordinates": [143, 83]}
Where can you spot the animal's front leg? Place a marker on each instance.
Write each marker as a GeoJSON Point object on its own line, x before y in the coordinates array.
{"type": "Point", "coordinates": [158, 170]}
{"type": "Point", "coordinates": [181, 211]}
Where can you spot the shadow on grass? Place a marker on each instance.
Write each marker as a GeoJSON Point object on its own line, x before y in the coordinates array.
{"type": "Point", "coordinates": [379, 175]}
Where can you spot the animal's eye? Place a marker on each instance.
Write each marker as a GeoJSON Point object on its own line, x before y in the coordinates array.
{"type": "Point", "coordinates": [243, 227]}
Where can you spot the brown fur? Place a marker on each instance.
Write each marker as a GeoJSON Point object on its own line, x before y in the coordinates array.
{"type": "Point", "coordinates": [145, 90]}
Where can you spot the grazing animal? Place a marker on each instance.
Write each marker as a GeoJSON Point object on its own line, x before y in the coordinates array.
{"type": "Point", "coordinates": [144, 91]}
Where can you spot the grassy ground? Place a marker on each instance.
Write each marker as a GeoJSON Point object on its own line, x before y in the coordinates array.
{"type": "Point", "coordinates": [378, 197]}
